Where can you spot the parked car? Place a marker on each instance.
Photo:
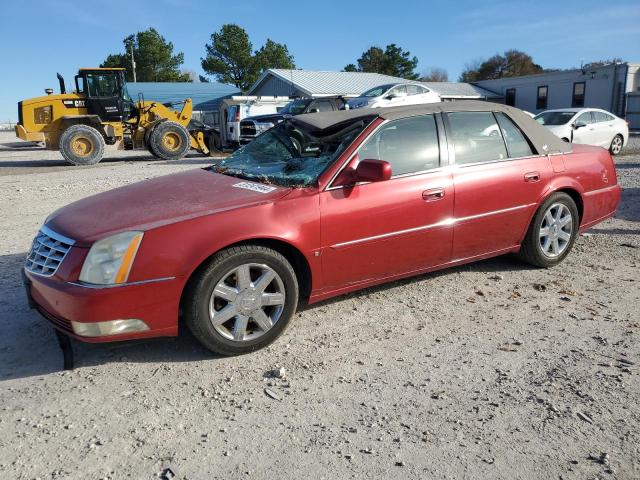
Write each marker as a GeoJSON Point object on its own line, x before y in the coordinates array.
{"type": "Point", "coordinates": [590, 126]}
{"type": "Point", "coordinates": [395, 95]}
{"type": "Point", "coordinates": [251, 127]}
{"type": "Point", "coordinates": [320, 205]}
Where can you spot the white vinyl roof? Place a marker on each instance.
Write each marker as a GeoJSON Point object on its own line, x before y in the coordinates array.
{"type": "Point", "coordinates": [352, 84]}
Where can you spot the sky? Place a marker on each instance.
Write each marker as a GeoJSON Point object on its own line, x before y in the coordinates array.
{"type": "Point", "coordinates": [42, 37]}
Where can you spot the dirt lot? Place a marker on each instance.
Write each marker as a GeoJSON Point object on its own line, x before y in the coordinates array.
{"type": "Point", "coordinates": [492, 370]}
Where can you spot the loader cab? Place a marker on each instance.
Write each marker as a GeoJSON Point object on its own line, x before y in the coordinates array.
{"type": "Point", "coordinates": [105, 93]}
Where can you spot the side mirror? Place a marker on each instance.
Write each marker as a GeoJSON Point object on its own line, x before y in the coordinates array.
{"type": "Point", "coordinates": [578, 125]}
{"type": "Point", "coordinates": [391, 96]}
{"type": "Point", "coordinates": [372, 171]}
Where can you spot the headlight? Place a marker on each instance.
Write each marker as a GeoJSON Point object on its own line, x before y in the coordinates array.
{"type": "Point", "coordinates": [263, 127]}
{"type": "Point", "coordinates": [109, 260]}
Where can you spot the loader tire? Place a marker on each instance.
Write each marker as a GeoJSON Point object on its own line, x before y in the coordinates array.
{"type": "Point", "coordinates": [147, 141]}
{"type": "Point", "coordinates": [82, 145]}
{"type": "Point", "coordinates": [169, 141]}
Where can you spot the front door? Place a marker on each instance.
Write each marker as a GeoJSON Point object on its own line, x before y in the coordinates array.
{"type": "Point", "coordinates": [586, 134]}
{"type": "Point", "coordinates": [377, 230]}
{"type": "Point", "coordinates": [105, 96]}
{"type": "Point", "coordinates": [498, 179]}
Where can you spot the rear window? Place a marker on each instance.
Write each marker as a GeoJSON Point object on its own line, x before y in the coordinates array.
{"type": "Point", "coordinates": [517, 144]}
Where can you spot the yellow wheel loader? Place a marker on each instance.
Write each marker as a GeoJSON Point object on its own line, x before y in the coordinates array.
{"type": "Point", "coordinates": [100, 112]}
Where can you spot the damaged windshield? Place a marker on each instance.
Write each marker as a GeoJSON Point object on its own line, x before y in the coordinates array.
{"type": "Point", "coordinates": [289, 154]}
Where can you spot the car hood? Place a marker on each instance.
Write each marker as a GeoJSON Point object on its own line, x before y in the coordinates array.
{"type": "Point", "coordinates": [157, 202]}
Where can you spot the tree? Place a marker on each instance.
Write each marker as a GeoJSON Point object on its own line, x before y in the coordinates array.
{"type": "Point", "coordinates": [230, 58]}
{"type": "Point", "coordinates": [273, 55]}
{"type": "Point", "coordinates": [393, 60]}
{"type": "Point", "coordinates": [154, 57]}
{"type": "Point", "coordinates": [513, 63]}
{"type": "Point", "coordinates": [435, 74]}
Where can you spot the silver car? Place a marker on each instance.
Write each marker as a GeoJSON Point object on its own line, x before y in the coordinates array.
{"type": "Point", "coordinates": [590, 126]}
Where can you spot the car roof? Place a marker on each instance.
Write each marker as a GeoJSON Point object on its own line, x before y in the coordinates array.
{"type": "Point", "coordinates": [576, 110]}
{"type": "Point", "coordinates": [538, 134]}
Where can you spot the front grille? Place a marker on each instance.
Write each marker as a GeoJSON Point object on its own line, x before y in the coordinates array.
{"type": "Point", "coordinates": [247, 129]}
{"type": "Point", "coordinates": [47, 252]}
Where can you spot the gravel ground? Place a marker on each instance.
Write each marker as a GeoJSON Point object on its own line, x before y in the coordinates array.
{"type": "Point", "coordinates": [491, 370]}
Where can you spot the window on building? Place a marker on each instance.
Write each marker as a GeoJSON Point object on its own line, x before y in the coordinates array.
{"type": "Point", "coordinates": [510, 97]}
{"type": "Point", "coordinates": [476, 137]}
{"type": "Point", "coordinates": [410, 145]}
{"type": "Point", "coordinates": [541, 102]}
{"type": "Point", "coordinates": [517, 143]}
{"type": "Point", "coordinates": [577, 100]}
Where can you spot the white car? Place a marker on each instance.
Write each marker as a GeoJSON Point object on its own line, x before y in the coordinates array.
{"type": "Point", "coordinates": [394, 95]}
{"type": "Point", "coordinates": [590, 126]}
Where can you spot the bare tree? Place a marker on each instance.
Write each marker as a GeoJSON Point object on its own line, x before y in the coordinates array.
{"type": "Point", "coordinates": [435, 74]}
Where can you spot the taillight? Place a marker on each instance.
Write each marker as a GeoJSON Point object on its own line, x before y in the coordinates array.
{"type": "Point", "coordinates": [237, 115]}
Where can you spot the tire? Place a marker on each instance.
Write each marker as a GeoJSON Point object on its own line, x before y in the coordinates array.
{"type": "Point", "coordinates": [219, 286]}
{"type": "Point", "coordinates": [169, 141]}
{"type": "Point", "coordinates": [214, 144]}
{"type": "Point", "coordinates": [147, 141]}
{"type": "Point", "coordinates": [82, 145]}
{"type": "Point", "coordinates": [533, 249]}
{"type": "Point", "coordinates": [616, 145]}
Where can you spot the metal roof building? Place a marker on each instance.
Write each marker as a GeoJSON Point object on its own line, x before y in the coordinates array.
{"type": "Point", "coordinates": [311, 83]}
{"type": "Point", "coordinates": [202, 94]}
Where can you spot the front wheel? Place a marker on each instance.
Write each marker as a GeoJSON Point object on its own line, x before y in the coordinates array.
{"type": "Point", "coordinates": [616, 145]}
{"type": "Point", "coordinates": [169, 141]}
{"type": "Point", "coordinates": [242, 300]}
{"type": "Point", "coordinates": [552, 232]}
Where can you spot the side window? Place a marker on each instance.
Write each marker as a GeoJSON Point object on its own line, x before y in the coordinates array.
{"type": "Point", "coordinates": [410, 145]}
{"type": "Point", "coordinates": [602, 117]}
{"type": "Point", "coordinates": [413, 90]}
{"type": "Point", "coordinates": [517, 144]}
{"type": "Point", "coordinates": [585, 118]}
{"type": "Point", "coordinates": [399, 91]}
{"type": "Point", "coordinates": [323, 106]}
{"type": "Point", "coordinates": [476, 137]}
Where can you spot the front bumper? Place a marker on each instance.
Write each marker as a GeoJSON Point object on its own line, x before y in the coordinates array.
{"type": "Point", "coordinates": [93, 309]}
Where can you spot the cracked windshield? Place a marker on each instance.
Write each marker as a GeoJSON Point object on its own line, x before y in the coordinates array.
{"type": "Point", "coordinates": [290, 154]}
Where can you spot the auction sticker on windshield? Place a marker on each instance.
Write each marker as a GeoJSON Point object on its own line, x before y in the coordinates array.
{"type": "Point", "coordinates": [256, 187]}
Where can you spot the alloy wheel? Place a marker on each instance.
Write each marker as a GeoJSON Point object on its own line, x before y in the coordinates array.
{"type": "Point", "coordinates": [555, 230]}
{"type": "Point", "coordinates": [247, 302]}
{"type": "Point", "coordinates": [616, 145]}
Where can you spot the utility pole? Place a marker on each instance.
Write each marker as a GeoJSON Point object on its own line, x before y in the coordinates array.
{"type": "Point", "coordinates": [133, 64]}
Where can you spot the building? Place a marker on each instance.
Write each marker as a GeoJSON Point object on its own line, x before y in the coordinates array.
{"type": "Point", "coordinates": [311, 83]}
{"type": "Point", "coordinates": [202, 94]}
{"type": "Point", "coordinates": [612, 87]}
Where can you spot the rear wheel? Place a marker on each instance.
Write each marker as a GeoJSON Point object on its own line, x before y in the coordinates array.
{"type": "Point", "coordinates": [242, 300]}
{"type": "Point", "coordinates": [552, 232]}
{"type": "Point", "coordinates": [616, 145]}
{"type": "Point", "coordinates": [82, 145]}
{"type": "Point", "coordinates": [169, 141]}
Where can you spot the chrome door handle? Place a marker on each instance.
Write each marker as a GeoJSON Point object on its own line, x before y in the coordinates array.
{"type": "Point", "coordinates": [433, 194]}
{"type": "Point", "coordinates": [532, 177]}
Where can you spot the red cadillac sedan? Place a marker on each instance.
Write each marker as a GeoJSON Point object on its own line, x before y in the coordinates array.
{"type": "Point", "coordinates": [319, 205]}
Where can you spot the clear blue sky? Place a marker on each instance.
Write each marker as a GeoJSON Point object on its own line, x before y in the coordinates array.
{"type": "Point", "coordinates": [41, 37]}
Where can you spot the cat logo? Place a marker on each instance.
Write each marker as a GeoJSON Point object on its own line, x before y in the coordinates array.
{"type": "Point", "coordinates": [73, 103]}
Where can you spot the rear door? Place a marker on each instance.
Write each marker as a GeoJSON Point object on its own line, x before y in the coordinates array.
{"type": "Point", "coordinates": [498, 179]}
{"type": "Point", "coordinates": [376, 230]}
{"type": "Point", "coordinates": [604, 128]}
